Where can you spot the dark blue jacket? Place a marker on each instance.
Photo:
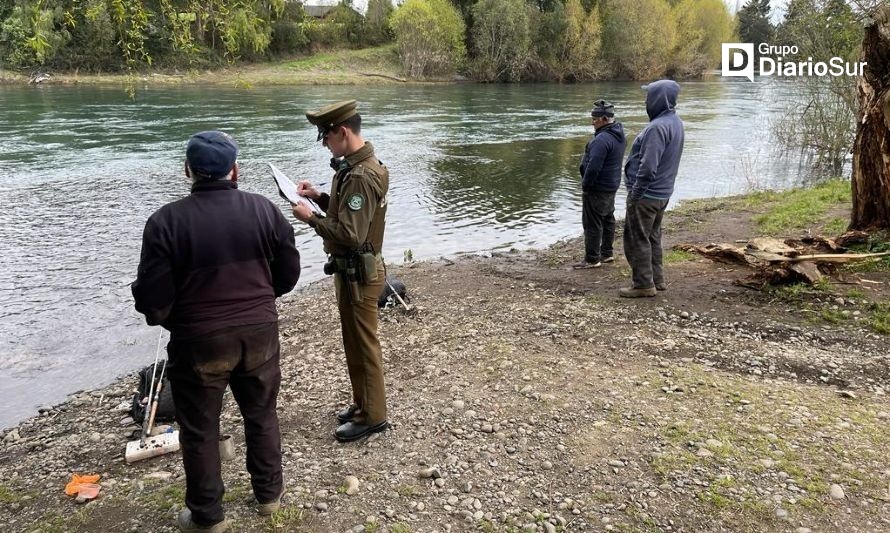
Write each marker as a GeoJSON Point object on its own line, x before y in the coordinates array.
{"type": "Point", "coordinates": [654, 158]}
{"type": "Point", "coordinates": [601, 162]}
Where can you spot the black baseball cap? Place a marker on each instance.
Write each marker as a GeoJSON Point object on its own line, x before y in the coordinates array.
{"type": "Point", "coordinates": [211, 154]}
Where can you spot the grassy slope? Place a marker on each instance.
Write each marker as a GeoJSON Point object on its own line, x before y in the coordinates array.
{"type": "Point", "coordinates": [344, 67]}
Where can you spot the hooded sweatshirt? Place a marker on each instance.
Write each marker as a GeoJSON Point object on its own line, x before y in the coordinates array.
{"type": "Point", "coordinates": [651, 168]}
{"type": "Point", "coordinates": [601, 163]}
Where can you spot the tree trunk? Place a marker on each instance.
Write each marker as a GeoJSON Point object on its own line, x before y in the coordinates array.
{"type": "Point", "coordinates": [871, 150]}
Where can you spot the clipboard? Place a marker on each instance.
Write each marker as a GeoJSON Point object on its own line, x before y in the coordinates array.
{"type": "Point", "coordinates": [288, 190]}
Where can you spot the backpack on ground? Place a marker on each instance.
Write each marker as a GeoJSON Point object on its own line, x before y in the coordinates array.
{"type": "Point", "coordinates": [141, 401]}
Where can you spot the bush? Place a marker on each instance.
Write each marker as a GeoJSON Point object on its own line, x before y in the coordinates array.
{"type": "Point", "coordinates": [501, 39]}
{"type": "Point", "coordinates": [638, 37]}
{"type": "Point", "coordinates": [430, 37]}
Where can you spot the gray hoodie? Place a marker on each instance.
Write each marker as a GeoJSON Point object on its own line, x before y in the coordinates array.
{"type": "Point", "coordinates": [654, 158]}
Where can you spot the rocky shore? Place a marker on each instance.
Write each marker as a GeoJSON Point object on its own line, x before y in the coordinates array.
{"type": "Point", "coordinates": [525, 396]}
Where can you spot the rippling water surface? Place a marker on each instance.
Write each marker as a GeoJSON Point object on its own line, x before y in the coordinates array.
{"type": "Point", "coordinates": [473, 168]}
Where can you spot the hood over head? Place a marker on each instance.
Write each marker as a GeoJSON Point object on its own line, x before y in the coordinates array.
{"type": "Point", "coordinates": [661, 97]}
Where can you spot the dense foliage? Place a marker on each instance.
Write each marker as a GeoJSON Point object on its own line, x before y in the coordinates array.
{"type": "Point", "coordinates": [489, 40]}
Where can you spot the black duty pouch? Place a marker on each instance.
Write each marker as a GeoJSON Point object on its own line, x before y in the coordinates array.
{"type": "Point", "coordinates": [368, 265]}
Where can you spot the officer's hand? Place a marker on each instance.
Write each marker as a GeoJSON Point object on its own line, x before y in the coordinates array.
{"type": "Point", "coordinates": [302, 212]}
{"type": "Point", "coordinates": [305, 188]}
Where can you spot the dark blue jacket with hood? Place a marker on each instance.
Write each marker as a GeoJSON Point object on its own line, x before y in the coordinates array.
{"type": "Point", "coordinates": [654, 158]}
{"type": "Point", "coordinates": [601, 163]}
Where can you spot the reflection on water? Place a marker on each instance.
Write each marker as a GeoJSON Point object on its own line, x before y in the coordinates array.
{"type": "Point", "coordinates": [472, 168]}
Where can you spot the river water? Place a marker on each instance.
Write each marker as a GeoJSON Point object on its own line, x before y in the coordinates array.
{"type": "Point", "coordinates": [473, 168]}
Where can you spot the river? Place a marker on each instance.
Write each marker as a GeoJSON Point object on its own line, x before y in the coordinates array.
{"type": "Point", "coordinates": [473, 168]}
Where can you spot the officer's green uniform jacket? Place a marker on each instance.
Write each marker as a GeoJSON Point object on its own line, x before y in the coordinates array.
{"type": "Point", "coordinates": [356, 205]}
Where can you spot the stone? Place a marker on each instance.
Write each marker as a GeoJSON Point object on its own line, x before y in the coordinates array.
{"type": "Point", "coordinates": [321, 506]}
{"type": "Point", "coordinates": [836, 492]}
{"type": "Point", "coordinates": [704, 452]}
{"type": "Point", "coordinates": [428, 473]}
{"type": "Point", "coordinates": [458, 404]}
{"type": "Point", "coordinates": [713, 444]}
{"type": "Point", "coordinates": [160, 475]}
{"type": "Point", "coordinates": [616, 463]}
{"type": "Point", "coordinates": [351, 483]}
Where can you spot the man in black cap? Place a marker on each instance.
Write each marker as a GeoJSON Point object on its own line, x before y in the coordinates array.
{"type": "Point", "coordinates": [600, 178]}
{"type": "Point", "coordinates": [353, 237]}
{"type": "Point", "coordinates": [212, 265]}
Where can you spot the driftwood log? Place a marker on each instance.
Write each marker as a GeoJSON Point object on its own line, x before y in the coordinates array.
{"type": "Point", "coordinates": [777, 262]}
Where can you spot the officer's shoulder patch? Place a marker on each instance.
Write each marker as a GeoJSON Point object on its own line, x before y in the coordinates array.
{"type": "Point", "coordinates": [355, 202]}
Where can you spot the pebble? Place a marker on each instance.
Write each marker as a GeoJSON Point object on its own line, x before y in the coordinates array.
{"type": "Point", "coordinates": [458, 404]}
{"type": "Point", "coordinates": [351, 483]}
{"type": "Point", "coordinates": [549, 528]}
{"type": "Point", "coordinates": [836, 492]}
{"type": "Point", "coordinates": [428, 473]}
{"type": "Point", "coordinates": [713, 443]}
{"type": "Point", "coordinates": [160, 474]}
{"type": "Point", "coordinates": [781, 514]}
{"type": "Point", "coordinates": [321, 506]}
{"type": "Point", "coordinates": [616, 463]}
{"type": "Point", "coordinates": [547, 465]}
{"type": "Point", "coordinates": [704, 452]}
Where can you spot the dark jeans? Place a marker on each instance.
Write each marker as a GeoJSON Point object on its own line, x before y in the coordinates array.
{"type": "Point", "coordinates": [246, 359]}
{"type": "Point", "coordinates": [642, 241]}
{"type": "Point", "coordinates": [598, 219]}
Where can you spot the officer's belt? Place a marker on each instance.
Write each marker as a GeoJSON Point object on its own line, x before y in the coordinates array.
{"type": "Point", "coordinates": [340, 260]}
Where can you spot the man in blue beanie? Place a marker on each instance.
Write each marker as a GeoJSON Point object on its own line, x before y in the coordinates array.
{"type": "Point", "coordinates": [212, 265]}
{"type": "Point", "coordinates": [600, 178]}
{"type": "Point", "coordinates": [649, 175]}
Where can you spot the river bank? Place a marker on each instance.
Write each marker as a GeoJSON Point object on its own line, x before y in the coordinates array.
{"type": "Point", "coordinates": [527, 396]}
{"type": "Point", "coordinates": [376, 65]}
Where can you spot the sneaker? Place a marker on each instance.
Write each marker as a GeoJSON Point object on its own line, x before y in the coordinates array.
{"type": "Point", "coordinates": [609, 259]}
{"type": "Point", "coordinates": [586, 264]}
{"type": "Point", "coordinates": [185, 523]}
{"type": "Point", "coordinates": [269, 508]}
{"type": "Point", "coordinates": [633, 292]}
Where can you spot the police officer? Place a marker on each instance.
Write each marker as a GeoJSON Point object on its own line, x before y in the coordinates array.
{"type": "Point", "coordinates": [352, 231]}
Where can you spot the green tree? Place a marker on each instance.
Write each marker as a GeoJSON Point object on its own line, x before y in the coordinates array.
{"type": "Point", "coordinates": [638, 37]}
{"type": "Point", "coordinates": [754, 24]}
{"type": "Point", "coordinates": [377, 28]}
{"type": "Point", "coordinates": [819, 118]}
{"type": "Point", "coordinates": [430, 37]}
{"type": "Point", "coordinates": [548, 29]}
{"type": "Point", "coordinates": [702, 25]}
{"type": "Point", "coordinates": [582, 41]}
{"type": "Point", "coordinates": [501, 39]}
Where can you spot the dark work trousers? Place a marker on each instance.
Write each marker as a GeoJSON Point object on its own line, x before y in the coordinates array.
{"type": "Point", "coordinates": [642, 241]}
{"type": "Point", "coordinates": [246, 359]}
{"type": "Point", "coordinates": [598, 219]}
{"type": "Point", "coordinates": [364, 359]}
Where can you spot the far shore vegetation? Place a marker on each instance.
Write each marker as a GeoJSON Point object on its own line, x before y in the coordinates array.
{"type": "Point", "coordinates": [480, 40]}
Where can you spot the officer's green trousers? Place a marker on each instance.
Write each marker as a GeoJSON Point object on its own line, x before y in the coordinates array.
{"type": "Point", "coordinates": [364, 359]}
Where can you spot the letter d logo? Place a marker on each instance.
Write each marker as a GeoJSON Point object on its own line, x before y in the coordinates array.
{"type": "Point", "coordinates": [738, 60]}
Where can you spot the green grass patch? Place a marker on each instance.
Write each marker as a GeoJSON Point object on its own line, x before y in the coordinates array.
{"type": "Point", "coordinates": [407, 490]}
{"type": "Point", "coordinates": [833, 316]}
{"type": "Point", "coordinates": [367, 59]}
{"type": "Point", "coordinates": [286, 518]}
{"type": "Point", "coordinates": [400, 527]}
{"type": "Point", "coordinates": [672, 257]}
{"type": "Point", "coordinates": [855, 294]}
{"type": "Point", "coordinates": [165, 498]}
{"type": "Point", "coordinates": [798, 209]}
{"type": "Point", "coordinates": [880, 318]}
{"type": "Point", "coordinates": [793, 293]}
{"type": "Point", "coordinates": [836, 226]}
{"type": "Point", "coordinates": [7, 495]}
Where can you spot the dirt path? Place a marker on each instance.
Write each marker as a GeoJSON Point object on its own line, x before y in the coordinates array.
{"type": "Point", "coordinates": [527, 397]}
